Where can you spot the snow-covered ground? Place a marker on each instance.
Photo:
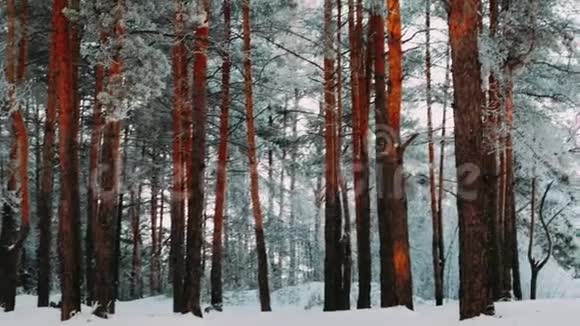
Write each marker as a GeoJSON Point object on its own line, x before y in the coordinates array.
{"type": "Point", "coordinates": [156, 311]}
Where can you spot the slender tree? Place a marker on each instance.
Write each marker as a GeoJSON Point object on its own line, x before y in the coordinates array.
{"type": "Point", "coordinates": [217, 247]}
{"type": "Point", "coordinates": [360, 147]}
{"type": "Point", "coordinates": [292, 278]}
{"type": "Point", "coordinates": [436, 222]}
{"type": "Point", "coordinates": [136, 286]}
{"type": "Point", "coordinates": [491, 174]}
{"type": "Point", "coordinates": [332, 229]}
{"type": "Point", "coordinates": [263, 285]}
{"type": "Point", "coordinates": [45, 197]}
{"type": "Point", "coordinates": [536, 264]}
{"type": "Point", "coordinates": [440, 190]}
{"type": "Point", "coordinates": [345, 239]}
{"type": "Point", "coordinates": [155, 264]}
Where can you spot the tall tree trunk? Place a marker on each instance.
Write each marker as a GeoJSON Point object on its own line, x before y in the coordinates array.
{"type": "Point", "coordinates": [393, 166]}
{"type": "Point", "coordinates": [196, 183]}
{"type": "Point", "coordinates": [69, 219]}
{"type": "Point", "coordinates": [11, 242]}
{"type": "Point", "coordinates": [75, 44]}
{"type": "Point", "coordinates": [263, 285]}
{"type": "Point", "coordinates": [92, 192]}
{"type": "Point", "coordinates": [221, 184]}
{"type": "Point", "coordinates": [332, 231]}
{"type": "Point", "coordinates": [376, 24]}
{"type": "Point", "coordinates": [440, 235]}
{"type": "Point", "coordinates": [464, 20]}
{"type": "Point", "coordinates": [178, 192]}
{"type": "Point", "coordinates": [292, 278]}
{"type": "Point", "coordinates": [108, 196]}
{"type": "Point", "coordinates": [360, 153]}
{"type": "Point", "coordinates": [106, 220]}
{"type": "Point", "coordinates": [345, 254]}
{"type": "Point", "coordinates": [45, 197]}
{"type": "Point", "coordinates": [491, 175]}
{"type": "Point", "coordinates": [278, 227]}
{"type": "Point", "coordinates": [437, 263]}
{"type": "Point", "coordinates": [511, 240]}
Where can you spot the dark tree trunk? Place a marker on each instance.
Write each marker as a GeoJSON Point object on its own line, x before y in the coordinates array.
{"type": "Point", "coordinates": [292, 278]}
{"type": "Point", "coordinates": [263, 285]}
{"type": "Point", "coordinates": [155, 264]}
{"type": "Point", "coordinates": [178, 194]}
{"type": "Point", "coordinates": [45, 207]}
{"type": "Point", "coordinates": [136, 287]}
{"type": "Point", "coordinates": [491, 177]}
{"type": "Point", "coordinates": [92, 193]}
{"type": "Point", "coordinates": [106, 220]}
{"type": "Point", "coordinates": [436, 222]}
{"type": "Point", "coordinates": [347, 250]}
{"type": "Point", "coordinates": [332, 229]}
{"type": "Point", "coordinates": [220, 205]}
{"type": "Point", "coordinates": [533, 284]}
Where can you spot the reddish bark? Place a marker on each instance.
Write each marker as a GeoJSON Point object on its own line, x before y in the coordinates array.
{"type": "Point", "coordinates": [362, 195]}
{"type": "Point", "coordinates": [333, 262]}
{"type": "Point", "coordinates": [396, 281]}
{"type": "Point", "coordinates": [376, 24]}
{"type": "Point", "coordinates": [69, 231]}
{"type": "Point", "coordinates": [11, 240]}
{"type": "Point", "coordinates": [263, 285]}
{"type": "Point", "coordinates": [197, 172]}
{"type": "Point", "coordinates": [217, 246]}
{"type": "Point", "coordinates": [511, 262]}
{"type": "Point", "coordinates": [464, 18]}
{"type": "Point", "coordinates": [394, 213]}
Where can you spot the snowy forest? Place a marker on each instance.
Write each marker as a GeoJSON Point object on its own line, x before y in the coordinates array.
{"type": "Point", "coordinates": [186, 159]}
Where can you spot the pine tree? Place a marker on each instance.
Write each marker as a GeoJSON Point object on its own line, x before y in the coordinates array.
{"type": "Point", "coordinates": [264, 288]}
{"type": "Point", "coordinates": [11, 240]}
{"type": "Point", "coordinates": [464, 25]}
{"type": "Point", "coordinates": [69, 212]}
{"type": "Point", "coordinates": [217, 247]}
{"type": "Point", "coordinates": [196, 182]}
{"type": "Point", "coordinates": [178, 191]}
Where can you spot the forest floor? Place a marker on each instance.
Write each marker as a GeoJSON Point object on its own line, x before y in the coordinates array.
{"type": "Point", "coordinates": [155, 311]}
